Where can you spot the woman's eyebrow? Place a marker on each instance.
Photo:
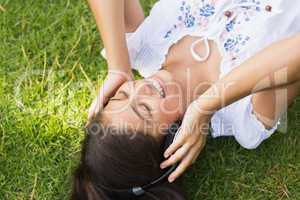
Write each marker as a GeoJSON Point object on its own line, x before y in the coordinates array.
{"type": "Point", "coordinates": [135, 110]}
{"type": "Point", "coordinates": [125, 93]}
{"type": "Point", "coordinates": [133, 107]}
{"type": "Point", "coordinates": [118, 99]}
{"type": "Point", "coordinates": [138, 113]}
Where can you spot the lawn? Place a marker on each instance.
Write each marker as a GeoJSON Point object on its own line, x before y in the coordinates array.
{"type": "Point", "coordinates": [50, 64]}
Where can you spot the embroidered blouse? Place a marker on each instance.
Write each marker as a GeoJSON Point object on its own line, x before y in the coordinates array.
{"type": "Point", "coordinates": [240, 28]}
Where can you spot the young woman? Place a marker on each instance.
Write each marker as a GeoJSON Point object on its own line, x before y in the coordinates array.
{"type": "Point", "coordinates": [187, 51]}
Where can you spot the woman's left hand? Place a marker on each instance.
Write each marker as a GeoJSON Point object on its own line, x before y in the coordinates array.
{"type": "Point", "coordinates": [190, 141]}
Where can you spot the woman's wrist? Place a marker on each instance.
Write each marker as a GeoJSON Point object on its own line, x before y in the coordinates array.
{"type": "Point", "coordinates": [209, 102]}
{"type": "Point", "coordinates": [118, 57]}
{"type": "Point", "coordinates": [121, 74]}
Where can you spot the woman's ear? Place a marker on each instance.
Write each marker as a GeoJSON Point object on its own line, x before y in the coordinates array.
{"type": "Point", "coordinates": [95, 128]}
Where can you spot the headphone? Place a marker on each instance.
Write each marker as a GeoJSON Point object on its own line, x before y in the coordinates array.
{"type": "Point", "coordinates": [140, 190]}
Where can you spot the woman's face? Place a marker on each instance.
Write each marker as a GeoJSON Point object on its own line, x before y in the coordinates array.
{"type": "Point", "coordinates": [149, 105]}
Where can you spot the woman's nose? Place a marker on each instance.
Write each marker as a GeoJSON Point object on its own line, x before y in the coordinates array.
{"type": "Point", "coordinates": [144, 89]}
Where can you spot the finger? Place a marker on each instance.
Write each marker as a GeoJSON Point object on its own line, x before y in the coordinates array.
{"type": "Point", "coordinates": [99, 102]}
{"type": "Point", "coordinates": [96, 103]}
{"type": "Point", "coordinates": [175, 145]}
{"type": "Point", "coordinates": [92, 110]}
{"type": "Point", "coordinates": [177, 156]}
{"type": "Point", "coordinates": [197, 154]}
{"type": "Point", "coordinates": [184, 164]}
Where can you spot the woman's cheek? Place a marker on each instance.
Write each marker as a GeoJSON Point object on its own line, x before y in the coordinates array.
{"type": "Point", "coordinates": [171, 106]}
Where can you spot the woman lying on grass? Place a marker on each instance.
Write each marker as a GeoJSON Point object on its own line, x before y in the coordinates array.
{"type": "Point", "coordinates": [216, 65]}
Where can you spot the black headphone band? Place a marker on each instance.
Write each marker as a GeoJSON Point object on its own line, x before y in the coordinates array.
{"type": "Point", "coordinates": [140, 190]}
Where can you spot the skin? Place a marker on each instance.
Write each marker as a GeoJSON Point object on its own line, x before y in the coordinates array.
{"type": "Point", "coordinates": [205, 75]}
{"type": "Point", "coordinates": [137, 105]}
{"type": "Point", "coordinates": [184, 80]}
{"type": "Point", "coordinates": [265, 74]}
{"type": "Point", "coordinates": [113, 19]}
{"type": "Point", "coordinates": [257, 75]}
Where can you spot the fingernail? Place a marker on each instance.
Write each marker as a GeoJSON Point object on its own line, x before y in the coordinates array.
{"type": "Point", "coordinates": [162, 166]}
{"type": "Point", "coordinates": [171, 179]}
{"type": "Point", "coordinates": [166, 155]}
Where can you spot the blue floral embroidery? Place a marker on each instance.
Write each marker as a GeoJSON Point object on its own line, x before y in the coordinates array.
{"type": "Point", "coordinates": [204, 9]}
{"type": "Point", "coordinates": [189, 21]}
{"type": "Point", "coordinates": [257, 2]}
{"type": "Point", "coordinates": [230, 44]}
{"type": "Point", "coordinates": [234, 42]}
{"type": "Point", "coordinates": [190, 18]}
{"type": "Point", "coordinates": [230, 25]}
{"type": "Point", "coordinates": [207, 10]}
{"type": "Point", "coordinates": [168, 34]}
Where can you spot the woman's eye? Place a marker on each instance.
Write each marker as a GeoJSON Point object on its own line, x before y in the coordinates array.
{"type": "Point", "coordinates": [145, 109]}
{"type": "Point", "coordinates": [121, 95]}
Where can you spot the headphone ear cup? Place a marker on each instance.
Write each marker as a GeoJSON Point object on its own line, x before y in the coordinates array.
{"type": "Point", "coordinates": [168, 141]}
{"type": "Point", "coordinates": [170, 135]}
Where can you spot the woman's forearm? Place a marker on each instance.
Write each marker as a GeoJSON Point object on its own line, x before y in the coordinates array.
{"type": "Point", "coordinates": [110, 19]}
{"type": "Point", "coordinates": [275, 66]}
{"type": "Point", "coordinates": [134, 15]}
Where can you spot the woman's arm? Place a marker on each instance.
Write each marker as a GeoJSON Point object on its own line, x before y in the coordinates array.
{"type": "Point", "coordinates": [110, 20]}
{"type": "Point", "coordinates": [275, 66]}
{"type": "Point", "coordinates": [113, 18]}
{"type": "Point", "coordinates": [134, 15]}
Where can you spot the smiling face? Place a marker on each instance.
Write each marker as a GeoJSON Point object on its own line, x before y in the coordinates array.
{"type": "Point", "coordinates": [149, 105]}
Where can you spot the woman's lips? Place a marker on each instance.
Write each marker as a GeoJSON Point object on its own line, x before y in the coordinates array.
{"type": "Point", "coordinates": [158, 85]}
{"type": "Point", "coordinates": [162, 85]}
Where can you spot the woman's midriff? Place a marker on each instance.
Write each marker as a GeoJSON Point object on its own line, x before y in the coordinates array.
{"type": "Point", "coordinates": [179, 55]}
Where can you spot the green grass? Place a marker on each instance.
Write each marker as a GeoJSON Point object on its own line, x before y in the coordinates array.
{"type": "Point", "coordinates": [49, 64]}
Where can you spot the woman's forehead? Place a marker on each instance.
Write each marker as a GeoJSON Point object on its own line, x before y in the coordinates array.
{"type": "Point", "coordinates": [120, 115]}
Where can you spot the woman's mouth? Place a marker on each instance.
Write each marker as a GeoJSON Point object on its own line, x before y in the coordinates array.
{"type": "Point", "coordinates": [158, 86]}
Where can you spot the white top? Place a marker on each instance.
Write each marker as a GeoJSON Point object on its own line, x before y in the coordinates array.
{"type": "Point", "coordinates": [240, 28]}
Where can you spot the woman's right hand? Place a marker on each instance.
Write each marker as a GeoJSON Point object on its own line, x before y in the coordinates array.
{"type": "Point", "coordinates": [111, 84]}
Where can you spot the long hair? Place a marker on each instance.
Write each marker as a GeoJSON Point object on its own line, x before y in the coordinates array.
{"type": "Point", "coordinates": [120, 159]}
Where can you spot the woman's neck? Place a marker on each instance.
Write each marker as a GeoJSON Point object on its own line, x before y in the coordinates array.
{"type": "Point", "coordinates": [192, 77]}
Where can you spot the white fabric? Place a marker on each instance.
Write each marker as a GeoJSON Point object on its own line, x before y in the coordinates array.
{"type": "Point", "coordinates": [194, 53]}
{"type": "Point", "coordinates": [249, 27]}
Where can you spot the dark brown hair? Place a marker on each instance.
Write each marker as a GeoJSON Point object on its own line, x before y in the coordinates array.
{"type": "Point", "coordinates": [121, 159]}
